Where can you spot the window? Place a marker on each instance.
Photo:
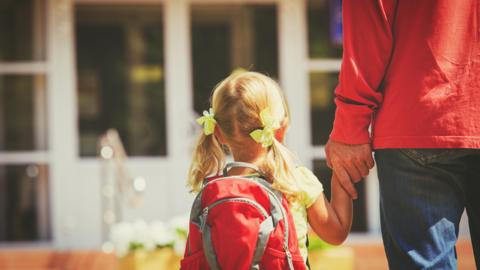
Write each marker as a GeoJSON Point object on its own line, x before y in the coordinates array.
{"type": "Point", "coordinates": [24, 208]}
{"type": "Point", "coordinates": [24, 203]}
{"type": "Point", "coordinates": [227, 37]}
{"type": "Point", "coordinates": [20, 41]}
{"type": "Point", "coordinates": [22, 113]}
{"type": "Point", "coordinates": [121, 82]}
{"type": "Point", "coordinates": [24, 178]}
{"type": "Point", "coordinates": [322, 86]}
{"type": "Point", "coordinates": [324, 28]}
{"type": "Point", "coordinates": [325, 50]}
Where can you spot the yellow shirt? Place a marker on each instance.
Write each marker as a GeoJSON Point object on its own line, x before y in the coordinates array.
{"type": "Point", "coordinates": [311, 188]}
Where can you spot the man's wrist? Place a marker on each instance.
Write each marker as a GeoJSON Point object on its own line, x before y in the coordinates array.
{"type": "Point", "coordinates": [351, 124]}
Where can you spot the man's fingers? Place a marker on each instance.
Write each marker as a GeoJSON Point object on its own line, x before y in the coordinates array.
{"type": "Point", "coordinates": [342, 177]}
{"type": "Point", "coordinates": [363, 168]}
{"type": "Point", "coordinates": [353, 172]}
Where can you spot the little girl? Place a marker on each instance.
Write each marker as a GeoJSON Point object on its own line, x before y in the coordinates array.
{"type": "Point", "coordinates": [249, 116]}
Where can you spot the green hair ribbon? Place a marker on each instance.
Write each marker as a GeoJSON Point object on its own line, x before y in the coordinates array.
{"type": "Point", "coordinates": [208, 121]}
{"type": "Point", "coordinates": [266, 135]}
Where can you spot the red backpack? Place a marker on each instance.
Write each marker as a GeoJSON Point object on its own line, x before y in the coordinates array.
{"type": "Point", "coordinates": [241, 222]}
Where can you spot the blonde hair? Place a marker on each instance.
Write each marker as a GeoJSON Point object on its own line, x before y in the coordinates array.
{"type": "Point", "coordinates": [237, 102]}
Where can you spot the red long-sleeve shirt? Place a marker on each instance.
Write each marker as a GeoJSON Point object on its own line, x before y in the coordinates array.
{"type": "Point", "coordinates": [411, 69]}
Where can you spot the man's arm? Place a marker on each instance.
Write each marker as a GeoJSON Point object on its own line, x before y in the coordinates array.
{"type": "Point", "coordinates": [368, 46]}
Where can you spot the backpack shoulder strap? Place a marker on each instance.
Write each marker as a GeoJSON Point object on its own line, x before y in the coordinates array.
{"type": "Point", "coordinates": [266, 228]}
{"type": "Point", "coordinates": [239, 164]}
{"type": "Point", "coordinates": [209, 251]}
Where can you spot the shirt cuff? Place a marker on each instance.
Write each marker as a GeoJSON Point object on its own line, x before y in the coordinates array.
{"type": "Point", "coordinates": [351, 123]}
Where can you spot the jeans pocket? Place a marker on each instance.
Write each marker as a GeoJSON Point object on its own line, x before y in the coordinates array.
{"type": "Point", "coordinates": [428, 156]}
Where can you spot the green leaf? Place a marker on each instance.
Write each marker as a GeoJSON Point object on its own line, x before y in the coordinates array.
{"type": "Point", "coordinates": [135, 246]}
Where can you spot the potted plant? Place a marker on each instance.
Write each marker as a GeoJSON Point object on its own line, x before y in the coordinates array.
{"type": "Point", "coordinates": [147, 246]}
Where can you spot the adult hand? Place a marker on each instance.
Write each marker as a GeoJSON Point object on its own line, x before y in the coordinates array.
{"type": "Point", "coordinates": [349, 162]}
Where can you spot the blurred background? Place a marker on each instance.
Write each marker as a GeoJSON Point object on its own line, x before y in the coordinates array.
{"type": "Point", "coordinates": [72, 69]}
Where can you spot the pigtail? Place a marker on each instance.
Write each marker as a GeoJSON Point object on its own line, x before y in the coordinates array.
{"type": "Point", "coordinates": [279, 167]}
{"type": "Point", "coordinates": [208, 159]}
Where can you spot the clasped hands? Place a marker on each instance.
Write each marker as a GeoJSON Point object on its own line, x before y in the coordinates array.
{"type": "Point", "coordinates": [350, 163]}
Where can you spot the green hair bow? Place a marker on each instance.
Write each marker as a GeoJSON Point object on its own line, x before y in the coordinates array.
{"type": "Point", "coordinates": [208, 121]}
{"type": "Point", "coordinates": [266, 135]}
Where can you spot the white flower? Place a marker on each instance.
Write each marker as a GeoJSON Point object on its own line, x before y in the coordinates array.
{"type": "Point", "coordinates": [142, 235]}
{"type": "Point", "coordinates": [160, 234]}
{"type": "Point", "coordinates": [121, 236]}
{"type": "Point", "coordinates": [180, 223]}
{"type": "Point", "coordinates": [129, 236]}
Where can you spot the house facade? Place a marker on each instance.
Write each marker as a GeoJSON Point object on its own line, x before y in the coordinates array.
{"type": "Point", "coordinates": [72, 69]}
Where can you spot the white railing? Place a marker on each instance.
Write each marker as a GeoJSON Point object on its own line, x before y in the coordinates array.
{"type": "Point", "coordinates": [118, 188]}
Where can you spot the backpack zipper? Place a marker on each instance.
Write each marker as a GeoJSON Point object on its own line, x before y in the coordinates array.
{"type": "Point", "coordinates": [238, 199]}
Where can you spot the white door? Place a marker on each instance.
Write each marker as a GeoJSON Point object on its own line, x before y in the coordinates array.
{"type": "Point", "coordinates": [132, 75]}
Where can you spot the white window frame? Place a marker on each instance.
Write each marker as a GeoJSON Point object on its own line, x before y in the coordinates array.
{"type": "Point", "coordinates": [34, 68]}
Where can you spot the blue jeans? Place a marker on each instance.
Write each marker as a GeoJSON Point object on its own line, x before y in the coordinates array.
{"type": "Point", "coordinates": [423, 193]}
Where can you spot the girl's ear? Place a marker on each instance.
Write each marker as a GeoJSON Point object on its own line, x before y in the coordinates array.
{"type": "Point", "coordinates": [219, 135]}
{"type": "Point", "coordinates": [280, 132]}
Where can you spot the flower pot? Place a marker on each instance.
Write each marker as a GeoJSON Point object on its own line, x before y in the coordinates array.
{"type": "Point", "coordinates": [335, 258]}
{"type": "Point", "coordinates": [163, 258]}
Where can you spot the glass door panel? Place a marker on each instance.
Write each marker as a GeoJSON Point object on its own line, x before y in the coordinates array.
{"type": "Point", "coordinates": [324, 31]}
{"type": "Point", "coordinates": [322, 106]}
{"type": "Point", "coordinates": [23, 113]}
{"type": "Point", "coordinates": [22, 28]}
{"type": "Point", "coordinates": [121, 82]}
{"type": "Point", "coordinates": [24, 203]}
{"type": "Point", "coordinates": [228, 37]}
